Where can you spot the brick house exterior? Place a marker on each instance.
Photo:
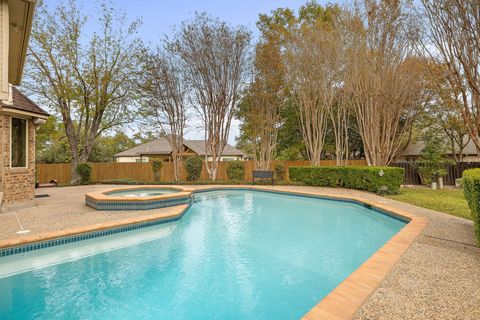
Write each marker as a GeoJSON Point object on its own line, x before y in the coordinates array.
{"type": "Point", "coordinates": [18, 115]}
{"type": "Point", "coordinates": [17, 180]}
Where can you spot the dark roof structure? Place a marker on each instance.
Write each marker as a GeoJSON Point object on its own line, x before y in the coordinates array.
{"type": "Point", "coordinates": [157, 146]}
{"type": "Point", "coordinates": [198, 146]}
{"type": "Point", "coordinates": [415, 148]}
{"type": "Point", "coordinates": [23, 103]}
{"type": "Point", "coordinates": [161, 146]}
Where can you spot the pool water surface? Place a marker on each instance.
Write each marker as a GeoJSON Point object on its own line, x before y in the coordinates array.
{"type": "Point", "coordinates": [235, 254]}
{"type": "Point", "coordinates": [151, 192]}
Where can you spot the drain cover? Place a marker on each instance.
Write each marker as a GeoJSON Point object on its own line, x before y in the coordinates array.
{"type": "Point", "coordinates": [42, 196]}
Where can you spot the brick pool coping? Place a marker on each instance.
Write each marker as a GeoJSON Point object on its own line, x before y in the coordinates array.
{"type": "Point", "coordinates": [343, 301]}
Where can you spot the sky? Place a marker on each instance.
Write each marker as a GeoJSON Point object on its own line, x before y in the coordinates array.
{"type": "Point", "coordinates": [159, 16]}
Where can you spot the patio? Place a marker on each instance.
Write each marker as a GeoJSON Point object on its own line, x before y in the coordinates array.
{"type": "Point", "coordinates": [437, 278]}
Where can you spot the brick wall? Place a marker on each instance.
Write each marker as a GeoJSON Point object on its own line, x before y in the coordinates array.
{"type": "Point", "coordinates": [17, 184]}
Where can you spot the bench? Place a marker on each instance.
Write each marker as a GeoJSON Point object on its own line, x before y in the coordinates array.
{"type": "Point", "coordinates": [262, 174]}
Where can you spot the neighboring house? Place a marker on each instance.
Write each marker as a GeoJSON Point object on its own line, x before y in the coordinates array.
{"type": "Point", "coordinates": [160, 149]}
{"type": "Point", "coordinates": [413, 151]}
{"type": "Point", "coordinates": [18, 114]}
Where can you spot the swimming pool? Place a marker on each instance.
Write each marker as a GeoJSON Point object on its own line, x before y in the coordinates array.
{"type": "Point", "coordinates": [234, 255]}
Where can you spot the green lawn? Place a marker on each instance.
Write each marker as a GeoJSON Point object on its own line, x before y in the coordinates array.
{"type": "Point", "coordinates": [451, 201]}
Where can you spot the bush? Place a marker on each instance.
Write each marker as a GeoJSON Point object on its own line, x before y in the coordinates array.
{"type": "Point", "coordinates": [236, 170]}
{"type": "Point", "coordinates": [383, 180]}
{"type": "Point", "coordinates": [471, 190]}
{"type": "Point", "coordinates": [280, 171]}
{"type": "Point", "coordinates": [431, 164]}
{"type": "Point", "coordinates": [84, 170]}
{"type": "Point", "coordinates": [156, 167]}
{"type": "Point", "coordinates": [193, 166]}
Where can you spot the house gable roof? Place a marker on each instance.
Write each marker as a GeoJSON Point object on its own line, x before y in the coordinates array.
{"type": "Point", "coordinates": [415, 149]}
{"type": "Point", "coordinates": [198, 146]}
{"type": "Point", "coordinates": [157, 146]}
{"type": "Point", "coordinates": [161, 146]}
{"type": "Point", "coordinates": [22, 103]}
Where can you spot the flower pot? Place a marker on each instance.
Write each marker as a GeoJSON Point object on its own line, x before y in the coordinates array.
{"type": "Point", "coordinates": [440, 183]}
{"type": "Point", "coordinates": [458, 183]}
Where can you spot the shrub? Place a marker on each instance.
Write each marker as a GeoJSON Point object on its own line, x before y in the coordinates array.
{"type": "Point", "coordinates": [280, 171]}
{"type": "Point", "coordinates": [431, 164]}
{"type": "Point", "coordinates": [471, 190]}
{"type": "Point", "coordinates": [156, 167]}
{"type": "Point", "coordinates": [84, 170]}
{"type": "Point", "coordinates": [236, 170]}
{"type": "Point", "coordinates": [193, 166]}
{"type": "Point", "coordinates": [383, 180]}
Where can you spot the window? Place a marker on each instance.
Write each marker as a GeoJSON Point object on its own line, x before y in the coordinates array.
{"type": "Point", "coordinates": [18, 143]}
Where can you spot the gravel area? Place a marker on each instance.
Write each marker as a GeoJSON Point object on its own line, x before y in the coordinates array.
{"type": "Point", "coordinates": [437, 278]}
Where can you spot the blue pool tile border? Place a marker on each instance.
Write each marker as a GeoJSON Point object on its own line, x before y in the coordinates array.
{"type": "Point", "coordinates": [86, 236]}
{"type": "Point", "coordinates": [136, 205]}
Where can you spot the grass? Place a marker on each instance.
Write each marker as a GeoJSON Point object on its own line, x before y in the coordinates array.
{"type": "Point", "coordinates": [451, 201]}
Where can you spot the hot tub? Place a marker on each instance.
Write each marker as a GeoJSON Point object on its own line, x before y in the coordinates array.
{"type": "Point", "coordinates": [138, 198]}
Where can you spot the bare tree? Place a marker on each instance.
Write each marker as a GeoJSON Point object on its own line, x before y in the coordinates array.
{"type": "Point", "coordinates": [458, 136]}
{"type": "Point", "coordinates": [88, 79]}
{"type": "Point", "coordinates": [447, 120]}
{"type": "Point", "coordinates": [453, 31]}
{"type": "Point", "coordinates": [215, 60]}
{"type": "Point", "coordinates": [340, 124]}
{"type": "Point", "coordinates": [313, 57]}
{"type": "Point", "coordinates": [260, 109]}
{"type": "Point", "coordinates": [164, 100]}
{"type": "Point", "coordinates": [384, 79]}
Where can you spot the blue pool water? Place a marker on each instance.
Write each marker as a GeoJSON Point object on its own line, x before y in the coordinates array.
{"type": "Point", "coordinates": [234, 255]}
{"type": "Point", "coordinates": [142, 192]}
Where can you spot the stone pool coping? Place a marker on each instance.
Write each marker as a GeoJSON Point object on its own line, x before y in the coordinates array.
{"type": "Point", "coordinates": [104, 200]}
{"type": "Point", "coordinates": [342, 302]}
{"type": "Point", "coordinates": [104, 194]}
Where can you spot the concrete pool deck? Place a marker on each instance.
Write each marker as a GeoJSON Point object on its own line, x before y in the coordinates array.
{"type": "Point", "coordinates": [437, 277]}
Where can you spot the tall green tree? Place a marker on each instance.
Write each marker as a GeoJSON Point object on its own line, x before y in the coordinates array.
{"type": "Point", "coordinates": [260, 110]}
{"type": "Point", "coordinates": [51, 145]}
{"type": "Point", "coordinates": [284, 128]}
{"type": "Point", "coordinates": [88, 79]}
{"type": "Point", "coordinates": [106, 146]}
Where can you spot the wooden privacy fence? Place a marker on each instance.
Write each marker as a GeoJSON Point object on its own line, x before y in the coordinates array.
{"type": "Point", "coordinates": [102, 171]}
{"type": "Point", "coordinates": [454, 171]}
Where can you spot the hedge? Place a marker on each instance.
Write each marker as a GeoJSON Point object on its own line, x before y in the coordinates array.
{"type": "Point", "coordinates": [84, 170]}
{"type": "Point", "coordinates": [193, 166]}
{"type": "Point", "coordinates": [471, 190]}
{"type": "Point", "coordinates": [156, 168]}
{"type": "Point", "coordinates": [236, 170]}
{"type": "Point", "coordinates": [384, 180]}
{"type": "Point", "coordinates": [279, 171]}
